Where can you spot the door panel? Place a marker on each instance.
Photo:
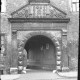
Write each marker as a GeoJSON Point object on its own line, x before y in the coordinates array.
{"type": "Point", "coordinates": [42, 58]}
{"type": "Point", "coordinates": [41, 52]}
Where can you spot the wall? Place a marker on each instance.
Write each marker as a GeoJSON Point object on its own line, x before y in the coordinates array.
{"type": "Point", "coordinates": [73, 39]}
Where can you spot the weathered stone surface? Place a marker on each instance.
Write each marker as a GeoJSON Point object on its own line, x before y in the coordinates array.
{"type": "Point", "coordinates": [4, 23]}
{"type": "Point", "coordinates": [28, 12]}
{"type": "Point", "coordinates": [16, 4]}
{"type": "Point", "coordinates": [72, 28]}
{"type": "Point", "coordinates": [72, 51]}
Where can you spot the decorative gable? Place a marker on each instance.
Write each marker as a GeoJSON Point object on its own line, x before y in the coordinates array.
{"type": "Point", "coordinates": [39, 11]}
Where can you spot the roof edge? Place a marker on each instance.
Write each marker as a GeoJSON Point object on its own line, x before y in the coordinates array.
{"type": "Point", "coordinates": [19, 9]}
{"type": "Point", "coordinates": [58, 9]}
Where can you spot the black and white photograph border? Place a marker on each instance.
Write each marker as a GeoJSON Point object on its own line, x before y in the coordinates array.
{"type": "Point", "coordinates": [39, 39]}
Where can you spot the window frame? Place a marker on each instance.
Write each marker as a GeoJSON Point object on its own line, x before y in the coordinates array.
{"type": "Point", "coordinates": [75, 8]}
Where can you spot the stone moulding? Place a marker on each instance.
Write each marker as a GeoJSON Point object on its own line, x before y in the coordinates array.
{"type": "Point", "coordinates": [39, 20]}
{"type": "Point", "coordinates": [55, 41]}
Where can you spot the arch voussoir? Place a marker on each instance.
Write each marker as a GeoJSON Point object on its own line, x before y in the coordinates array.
{"type": "Point", "coordinates": [52, 38]}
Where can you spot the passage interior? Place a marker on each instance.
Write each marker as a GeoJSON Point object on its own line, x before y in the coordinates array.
{"type": "Point", "coordinates": [41, 53]}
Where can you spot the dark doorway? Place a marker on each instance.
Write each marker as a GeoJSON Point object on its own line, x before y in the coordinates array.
{"type": "Point", "coordinates": [40, 53]}
{"type": "Point", "coordinates": [1, 72]}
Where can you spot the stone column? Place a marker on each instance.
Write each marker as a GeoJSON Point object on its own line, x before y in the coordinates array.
{"type": "Point", "coordinates": [58, 54]}
{"type": "Point", "coordinates": [64, 51]}
{"type": "Point", "coordinates": [20, 59]}
{"type": "Point", "coordinates": [58, 57]}
{"type": "Point", "coordinates": [14, 49]}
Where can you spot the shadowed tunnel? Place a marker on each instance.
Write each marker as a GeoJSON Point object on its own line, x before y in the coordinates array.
{"type": "Point", "coordinates": [40, 53]}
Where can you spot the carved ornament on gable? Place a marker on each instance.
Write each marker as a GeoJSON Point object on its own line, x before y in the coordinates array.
{"type": "Point", "coordinates": [38, 11]}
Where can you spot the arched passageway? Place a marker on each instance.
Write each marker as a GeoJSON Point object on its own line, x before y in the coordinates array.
{"type": "Point", "coordinates": [41, 53]}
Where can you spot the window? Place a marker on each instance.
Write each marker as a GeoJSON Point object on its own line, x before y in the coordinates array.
{"type": "Point", "coordinates": [3, 6]}
{"type": "Point", "coordinates": [75, 5]}
{"type": "Point", "coordinates": [2, 44]}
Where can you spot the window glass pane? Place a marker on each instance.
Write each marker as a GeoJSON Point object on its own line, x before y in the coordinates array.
{"type": "Point", "coordinates": [74, 7]}
{"type": "Point", "coordinates": [77, 0]}
{"type": "Point", "coordinates": [73, 0]}
{"type": "Point", "coordinates": [77, 6]}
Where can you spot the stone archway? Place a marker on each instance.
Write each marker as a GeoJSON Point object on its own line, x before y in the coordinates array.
{"type": "Point", "coordinates": [49, 36]}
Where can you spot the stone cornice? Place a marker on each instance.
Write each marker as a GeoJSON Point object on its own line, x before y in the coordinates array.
{"type": "Point", "coordinates": [39, 20]}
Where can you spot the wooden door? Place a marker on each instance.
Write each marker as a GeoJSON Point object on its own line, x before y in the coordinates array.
{"type": "Point", "coordinates": [42, 56]}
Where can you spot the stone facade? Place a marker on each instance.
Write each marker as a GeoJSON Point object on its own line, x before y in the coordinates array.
{"type": "Point", "coordinates": [69, 31]}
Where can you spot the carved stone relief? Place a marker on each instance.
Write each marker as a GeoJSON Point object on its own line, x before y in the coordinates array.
{"type": "Point", "coordinates": [38, 11]}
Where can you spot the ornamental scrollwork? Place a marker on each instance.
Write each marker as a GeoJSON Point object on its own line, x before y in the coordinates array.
{"type": "Point", "coordinates": [38, 11]}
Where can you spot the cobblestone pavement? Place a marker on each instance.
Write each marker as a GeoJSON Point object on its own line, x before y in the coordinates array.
{"type": "Point", "coordinates": [38, 75]}
{"type": "Point", "coordinates": [43, 75]}
{"type": "Point", "coordinates": [40, 78]}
